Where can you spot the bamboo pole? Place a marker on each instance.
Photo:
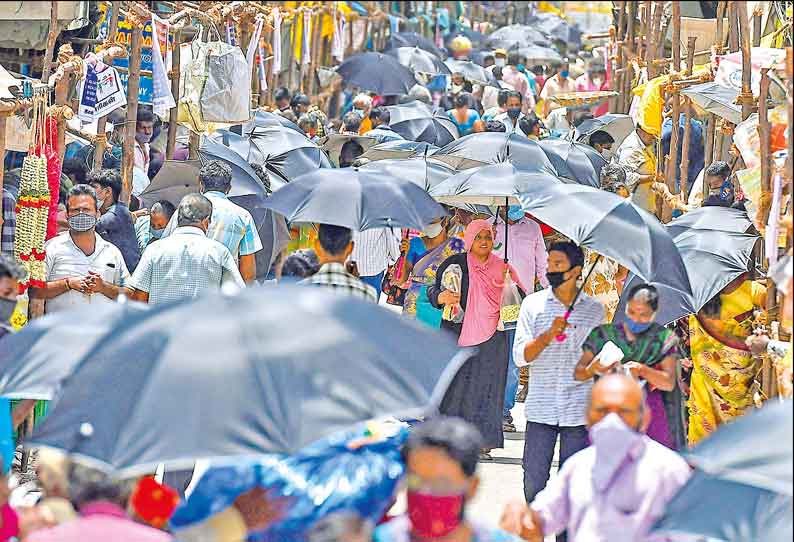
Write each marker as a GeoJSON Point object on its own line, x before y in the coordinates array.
{"type": "Point", "coordinates": [618, 75]}
{"type": "Point", "coordinates": [733, 27]}
{"type": "Point", "coordinates": [757, 13]}
{"type": "Point", "coordinates": [630, 39]}
{"type": "Point", "coordinates": [173, 114]}
{"type": "Point", "coordinates": [746, 96]}
{"type": "Point", "coordinates": [133, 85]}
{"type": "Point", "coordinates": [709, 152]}
{"type": "Point", "coordinates": [764, 133]}
{"type": "Point", "coordinates": [720, 40]}
{"type": "Point", "coordinates": [684, 172]}
{"type": "Point", "coordinates": [52, 36]}
{"type": "Point", "coordinates": [101, 139]}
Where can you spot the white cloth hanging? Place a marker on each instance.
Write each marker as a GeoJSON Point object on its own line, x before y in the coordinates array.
{"type": "Point", "coordinates": [306, 53]}
{"type": "Point", "coordinates": [340, 37]}
{"type": "Point", "coordinates": [162, 99]}
{"type": "Point", "coordinates": [276, 69]}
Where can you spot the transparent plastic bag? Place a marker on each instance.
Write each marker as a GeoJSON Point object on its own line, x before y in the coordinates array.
{"type": "Point", "coordinates": [511, 304]}
{"type": "Point", "coordinates": [451, 281]}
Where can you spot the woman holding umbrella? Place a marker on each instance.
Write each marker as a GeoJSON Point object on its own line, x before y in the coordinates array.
{"type": "Point", "coordinates": [477, 391]}
{"type": "Point", "coordinates": [423, 257]}
{"type": "Point", "coordinates": [650, 352]}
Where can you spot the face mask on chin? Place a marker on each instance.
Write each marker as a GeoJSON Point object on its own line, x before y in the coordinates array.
{"type": "Point", "coordinates": [434, 516]}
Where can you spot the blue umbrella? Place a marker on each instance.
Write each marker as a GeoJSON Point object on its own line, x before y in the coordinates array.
{"type": "Point", "coordinates": [742, 487]}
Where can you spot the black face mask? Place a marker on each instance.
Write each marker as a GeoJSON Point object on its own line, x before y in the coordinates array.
{"type": "Point", "coordinates": [556, 278]}
{"type": "Point", "coordinates": [514, 112]}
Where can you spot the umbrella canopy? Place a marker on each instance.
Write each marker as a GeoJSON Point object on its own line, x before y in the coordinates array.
{"type": "Point", "coordinates": [284, 153]}
{"type": "Point", "coordinates": [612, 226]}
{"type": "Point", "coordinates": [557, 29]}
{"type": "Point", "coordinates": [574, 161]}
{"type": "Point", "coordinates": [412, 39]}
{"type": "Point", "coordinates": [515, 36]}
{"type": "Point", "coordinates": [471, 71]}
{"type": "Point", "coordinates": [282, 388]}
{"type": "Point", "coordinates": [483, 148]}
{"type": "Point", "coordinates": [355, 199]}
{"type": "Point", "coordinates": [38, 358]}
{"type": "Point", "coordinates": [617, 125]}
{"type": "Point", "coordinates": [377, 72]}
{"type": "Point", "coordinates": [419, 60]}
{"type": "Point", "coordinates": [418, 122]}
{"type": "Point", "coordinates": [265, 119]}
{"type": "Point", "coordinates": [332, 144]}
{"type": "Point", "coordinates": [495, 184]}
{"type": "Point", "coordinates": [734, 466]}
{"type": "Point", "coordinates": [716, 98]}
{"type": "Point", "coordinates": [426, 173]}
{"type": "Point", "coordinates": [399, 148]}
{"type": "Point", "coordinates": [713, 258]}
{"type": "Point", "coordinates": [537, 54]}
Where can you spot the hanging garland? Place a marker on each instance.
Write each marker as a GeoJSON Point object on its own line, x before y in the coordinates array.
{"type": "Point", "coordinates": [33, 202]}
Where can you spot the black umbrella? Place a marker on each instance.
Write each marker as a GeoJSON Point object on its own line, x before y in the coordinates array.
{"type": "Point", "coordinates": [611, 226]}
{"type": "Point", "coordinates": [748, 461]}
{"type": "Point", "coordinates": [284, 153]}
{"type": "Point", "coordinates": [355, 199]}
{"type": "Point", "coordinates": [377, 72]}
{"type": "Point", "coordinates": [617, 125]}
{"type": "Point", "coordinates": [574, 161]}
{"type": "Point", "coordinates": [418, 122]}
{"type": "Point", "coordinates": [557, 29]}
{"type": "Point", "coordinates": [715, 250]}
{"type": "Point", "coordinates": [537, 54]}
{"type": "Point", "coordinates": [471, 71]}
{"type": "Point", "coordinates": [412, 39]}
{"type": "Point", "coordinates": [398, 148]}
{"type": "Point", "coordinates": [492, 185]}
{"type": "Point", "coordinates": [716, 98]}
{"type": "Point", "coordinates": [419, 60]}
{"type": "Point", "coordinates": [265, 119]}
{"type": "Point", "coordinates": [426, 173]}
{"type": "Point", "coordinates": [483, 148]}
{"type": "Point", "coordinates": [270, 370]}
{"type": "Point", "coordinates": [515, 36]}
{"type": "Point", "coordinates": [38, 358]}
{"type": "Point", "coordinates": [332, 144]}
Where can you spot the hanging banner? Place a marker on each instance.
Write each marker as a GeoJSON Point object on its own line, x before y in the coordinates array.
{"type": "Point", "coordinates": [100, 93]}
{"type": "Point", "coordinates": [162, 99]}
{"type": "Point", "coordinates": [124, 35]}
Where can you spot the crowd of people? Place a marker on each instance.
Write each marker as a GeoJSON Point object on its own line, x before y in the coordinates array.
{"type": "Point", "coordinates": [618, 425]}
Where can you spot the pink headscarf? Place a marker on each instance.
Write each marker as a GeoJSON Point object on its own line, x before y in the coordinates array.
{"type": "Point", "coordinates": [486, 281]}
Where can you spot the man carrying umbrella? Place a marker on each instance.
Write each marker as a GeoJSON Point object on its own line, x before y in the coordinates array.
{"type": "Point", "coordinates": [230, 225]}
{"type": "Point", "coordinates": [333, 246]}
{"type": "Point", "coordinates": [616, 488]}
{"type": "Point", "coordinates": [381, 130]}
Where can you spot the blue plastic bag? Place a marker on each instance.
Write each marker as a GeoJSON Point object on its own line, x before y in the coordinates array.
{"type": "Point", "coordinates": [325, 477]}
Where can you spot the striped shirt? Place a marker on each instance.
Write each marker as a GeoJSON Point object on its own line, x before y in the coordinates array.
{"type": "Point", "coordinates": [335, 277]}
{"type": "Point", "coordinates": [9, 223]}
{"type": "Point", "coordinates": [553, 396]}
{"type": "Point", "coordinates": [183, 266]}
{"type": "Point", "coordinates": [374, 250]}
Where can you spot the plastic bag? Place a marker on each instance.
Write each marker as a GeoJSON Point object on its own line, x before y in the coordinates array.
{"type": "Point", "coordinates": [192, 75]}
{"type": "Point", "coordinates": [226, 96]}
{"type": "Point", "coordinates": [451, 281]}
{"type": "Point", "coordinates": [511, 304]}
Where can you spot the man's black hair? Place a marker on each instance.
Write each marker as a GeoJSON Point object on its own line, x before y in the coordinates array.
{"type": "Point", "coordinates": [382, 114]}
{"type": "Point", "coordinates": [515, 94]}
{"type": "Point", "coordinates": [215, 176]}
{"type": "Point", "coordinates": [76, 167]}
{"type": "Point", "coordinates": [282, 93]}
{"type": "Point", "coordinates": [528, 123]}
{"type": "Point", "coordinates": [572, 251]}
{"type": "Point", "coordinates": [464, 98]}
{"type": "Point", "coordinates": [495, 126]}
{"type": "Point", "coordinates": [81, 190]}
{"type": "Point", "coordinates": [600, 137]}
{"type": "Point", "coordinates": [300, 99]}
{"type": "Point", "coordinates": [145, 114]}
{"type": "Point", "coordinates": [334, 239]}
{"type": "Point", "coordinates": [719, 169]}
{"type": "Point", "coordinates": [457, 438]}
{"type": "Point", "coordinates": [501, 98]}
{"type": "Point", "coordinates": [513, 58]}
{"type": "Point", "coordinates": [107, 178]}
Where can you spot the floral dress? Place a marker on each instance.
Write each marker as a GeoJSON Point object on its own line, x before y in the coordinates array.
{"type": "Point", "coordinates": [602, 284]}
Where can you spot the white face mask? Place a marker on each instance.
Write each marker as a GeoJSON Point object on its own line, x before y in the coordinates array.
{"type": "Point", "coordinates": [500, 62]}
{"type": "Point", "coordinates": [607, 154]}
{"type": "Point", "coordinates": [457, 89]}
{"type": "Point", "coordinates": [433, 230]}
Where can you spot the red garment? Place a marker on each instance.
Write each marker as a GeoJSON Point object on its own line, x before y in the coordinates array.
{"type": "Point", "coordinates": [153, 502]}
{"type": "Point", "coordinates": [9, 523]}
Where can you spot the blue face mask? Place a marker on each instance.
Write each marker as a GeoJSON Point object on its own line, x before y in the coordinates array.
{"type": "Point", "coordinates": [636, 328]}
{"type": "Point", "coordinates": [515, 213]}
{"type": "Point", "coordinates": [564, 74]}
{"type": "Point", "coordinates": [155, 234]}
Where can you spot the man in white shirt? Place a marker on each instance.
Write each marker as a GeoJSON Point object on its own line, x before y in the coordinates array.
{"type": "Point", "coordinates": [561, 83]}
{"type": "Point", "coordinates": [82, 268]}
{"type": "Point", "coordinates": [512, 115]}
{"type": "Point", "coordinates": [373, 251]}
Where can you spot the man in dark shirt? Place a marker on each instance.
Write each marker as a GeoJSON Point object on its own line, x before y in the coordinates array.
{"type": "Point", "coordinates": [116, 225]}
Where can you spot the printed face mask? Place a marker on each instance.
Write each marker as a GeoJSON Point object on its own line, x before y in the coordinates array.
{"type": "Point", "coordinates": [82, 222]}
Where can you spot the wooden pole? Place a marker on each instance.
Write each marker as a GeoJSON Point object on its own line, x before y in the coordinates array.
{"type": "Point", "coordinates": [101, 139]}
{"type": "Point", "coordinates": [676, 37]}
{"type": "Point", "coordinates": [628, 74]}
{"type": "Point", "coordinates": [757, 13]}
{"type": "Point", "coordinates": [2, 156]}
{"type": "Point", "coordinates": [709, 152]}
{"type": "Point", "coordinates": [133, 84]}
{"type": "Point", "coordinates": [733, 27]}
{"type": "Point", "coordinates": [173, 114]}
{"type": "Point", "coordinates": [617, 73]}
{"type": "Point", "coordinates": [684, 173]}
{"type": "Point", "coordinates": [744, 29]}
{"type": "Point", "coordinates": [52, 36]}
{"type": "Point", "coordinates": [764, 134]}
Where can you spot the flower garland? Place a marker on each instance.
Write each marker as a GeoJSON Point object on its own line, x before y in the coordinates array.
{"type": "Point", "coordinates": [33, 207]}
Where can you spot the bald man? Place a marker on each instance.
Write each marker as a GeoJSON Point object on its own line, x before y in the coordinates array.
{"type": "Point", "coordinates": [613, 490]}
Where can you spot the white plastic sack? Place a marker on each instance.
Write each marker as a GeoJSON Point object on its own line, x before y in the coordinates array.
{"type": "Point", "coordinates": [227, 89]}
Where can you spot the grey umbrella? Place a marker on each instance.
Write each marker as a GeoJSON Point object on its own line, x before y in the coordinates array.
{"type": "Point", "coordinates": [418, 122]}
{"type": "Point", "coordinates": [398, 148]}
{"type": "Point", "coordinates": [419, 60]}
{"type": "Point", "coordinates": [515, 36]}
{"type": "Point", "coordinates": [617, 125]}
{"type": "Point", "coordinates": [537, 54]}
{"type": "Point", "coordinates": [742, 486]}
{"type": "Point", "coordinates": [716, 98]}
{"type": "Point", "coordinates": [426, 173]}
{"type": "Point", "coordinates": [471, 71]}
{"type": "Point", "coordinates": [270, 370]}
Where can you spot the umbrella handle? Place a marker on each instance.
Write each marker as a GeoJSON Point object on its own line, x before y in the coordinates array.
{"type": "Point", "coordinates": [562, 336]}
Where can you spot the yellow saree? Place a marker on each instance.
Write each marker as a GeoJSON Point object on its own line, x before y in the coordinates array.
{"type": "Point", "coordinates": [722, 377]}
